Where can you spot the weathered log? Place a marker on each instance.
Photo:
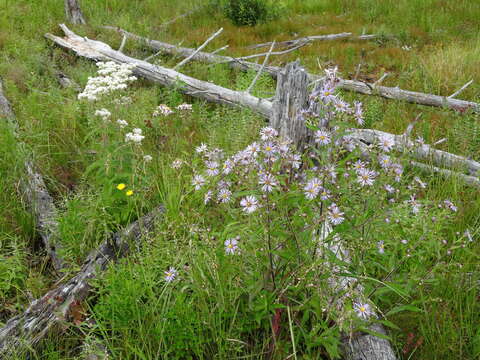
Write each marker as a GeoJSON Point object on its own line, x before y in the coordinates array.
{"type": "Point", "coordinates": [24, 331]}
{"type": "Point", "coordinates": [307, 39]}
{"type": "Point", "coordinates": [421, 152]}
{"type": "Point", "coordinates": [36, 195]}
{"type": "Point", "coordinates": [73, 12]}
{"type": "Point", "coordinates": [99, 51]}
{"type": "Point", "coordinates": [5, 107]}
{"type": "Point", "coordinates": [394, 93]}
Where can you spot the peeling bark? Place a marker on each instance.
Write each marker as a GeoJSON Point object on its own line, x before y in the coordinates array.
{"type": "Point", "coordinates": [24, 331]}
{"type": "Point", "coordinates": [395, 93]}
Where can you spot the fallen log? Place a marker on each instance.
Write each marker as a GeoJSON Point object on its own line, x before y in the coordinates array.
{"type": "Point", "coordinates": [307, 39]}
{"type": "Point", "coordinates": [99, 51]}
{"type": "Point", "coordinates": [73, 12]}
{"type": "Point", "coordinates": [291, 97]}
{"type": "Point", "coordinates": [394, 93]}
{"type": "Point", "coordinates": [36, 195]}
{"type": "Point", "coordinates": [421, 152]}
{"type": "Point", "coordinates": [24, 331]}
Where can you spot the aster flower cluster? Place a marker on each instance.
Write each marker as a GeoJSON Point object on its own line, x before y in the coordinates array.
{"type": "Point", "coordinates": [111, 77]}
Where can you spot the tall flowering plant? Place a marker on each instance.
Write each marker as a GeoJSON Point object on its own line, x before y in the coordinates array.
{"type": "Point", "coordinates": [286, 198]}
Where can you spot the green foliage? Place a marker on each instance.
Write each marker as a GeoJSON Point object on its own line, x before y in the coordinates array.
{"type": "Point", "coordinates": [250, 12]}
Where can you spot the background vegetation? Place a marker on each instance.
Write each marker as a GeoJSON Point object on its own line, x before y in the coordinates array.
{"type": "Point", "coordinates": [206, 314]}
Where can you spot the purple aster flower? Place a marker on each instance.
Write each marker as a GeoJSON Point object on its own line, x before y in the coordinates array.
{"type": "Point", "coordinates": [212, 168]}
{"type": "Point", "coordinates": [170, 274]}
{"type": "Point", "coordinates": [198, 181]}
{"type": "Point", "coordinates": [268, 182]}
{"type": "Point", "coordinates": [231, 246]}
{"type": "Point", "coordinates": [249, 203]}
{"type": "Point", "coordinates": [381, 247]}
{"type": "Point", "coordinates": [224, 196]}
{"type": "Point", "coordinates": [364, 311]}
{"type": "Point", "coordinates": [386, 143]}
{"type": "Point", "coordinates": [366, 177]}
{"type": "Point", "coordinates": [335, 216]}
{"type": "Point", "coordinates": [268, 133]}
{"type": "Point", "coordinates": [323, 137]}
{"type": "Point", "coordinates": [312, 188]}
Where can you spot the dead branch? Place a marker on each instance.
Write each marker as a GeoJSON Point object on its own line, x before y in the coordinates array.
{"type": "Point", "coordinates": [180, 64]}
{"type": "Point", "coordinates": [73, 12]}
{"type": "Point", "coordinates": [165, 24]}
{"type": "Point", "coordinates": [349, 85]}
{"type": "Point", "coordinates": [308, 39]}
{"type": "Point", "coordinates": [96, 50]}
{"type": "Point", "coordinates": [468, 179]}
{"type": "Point", "coordinates": [261, 69]}
{"type": "Point", "coordinates": [24, 331]}
{"type": "Point", "coordinates": [456, 93]}
{"type": "Point", "coordinates": [243, 58]}
{"type": "Point", "coordinates": [36, 195]}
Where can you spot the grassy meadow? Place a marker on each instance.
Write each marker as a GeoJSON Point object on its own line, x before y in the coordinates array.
{"type": "Point", "coordinates": [220, 306]}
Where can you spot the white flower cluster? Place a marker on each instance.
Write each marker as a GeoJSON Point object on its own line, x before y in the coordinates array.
{"type": "Point", "coordinates": [165, 110]}
{"type": "Point", "coordinates": [135, 136]}
{"type": "Point", "coordinates": [111, 77]}
{"type": "Point", "coordinates": [122, 123]}
{"type": "Point", "coordinates": [103, 113]}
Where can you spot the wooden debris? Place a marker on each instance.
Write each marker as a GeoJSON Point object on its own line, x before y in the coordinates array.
{"type": "Point", "coordinates": [259, 72]}
{"type": "Point", "coordinates": [308, 39]}
{"type": "Point", "coordinates": [456, 93]}
{"type": "Point", "coordinates": [187, 59]}
{"type": "Point", "coordinates": [36, 195]}
{"type": "Point", "coordinates": [100, 51]}
{"type": "Point", "coordinates": [73, 12]}
{"type": "Point", "coordinates": [394, 93]}
{"type": "Point", "coordinates": [24, 331]}
{"type": "Point", "coordinates": [188, 13]}
{"type": "Point", "coordinates": [97, 50]}
{"type": "Point", "coordinates": [421, 152]}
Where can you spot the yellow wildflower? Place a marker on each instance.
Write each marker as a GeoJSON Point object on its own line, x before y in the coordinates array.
{"type": "Point", "coordinates": [129, 193]}
{"type": "Point", "coordinates": [121, 186]}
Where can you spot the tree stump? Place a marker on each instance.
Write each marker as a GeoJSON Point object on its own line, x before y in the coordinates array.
{"type": "Point", "coordinates": [291, 97]}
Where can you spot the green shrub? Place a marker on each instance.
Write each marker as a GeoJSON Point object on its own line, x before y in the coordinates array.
{"type": "Point", "coordinates": [250, 12]}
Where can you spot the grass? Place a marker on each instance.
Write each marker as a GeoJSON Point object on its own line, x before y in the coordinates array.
{"type": "Point", "coordinates": [219, 308]}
